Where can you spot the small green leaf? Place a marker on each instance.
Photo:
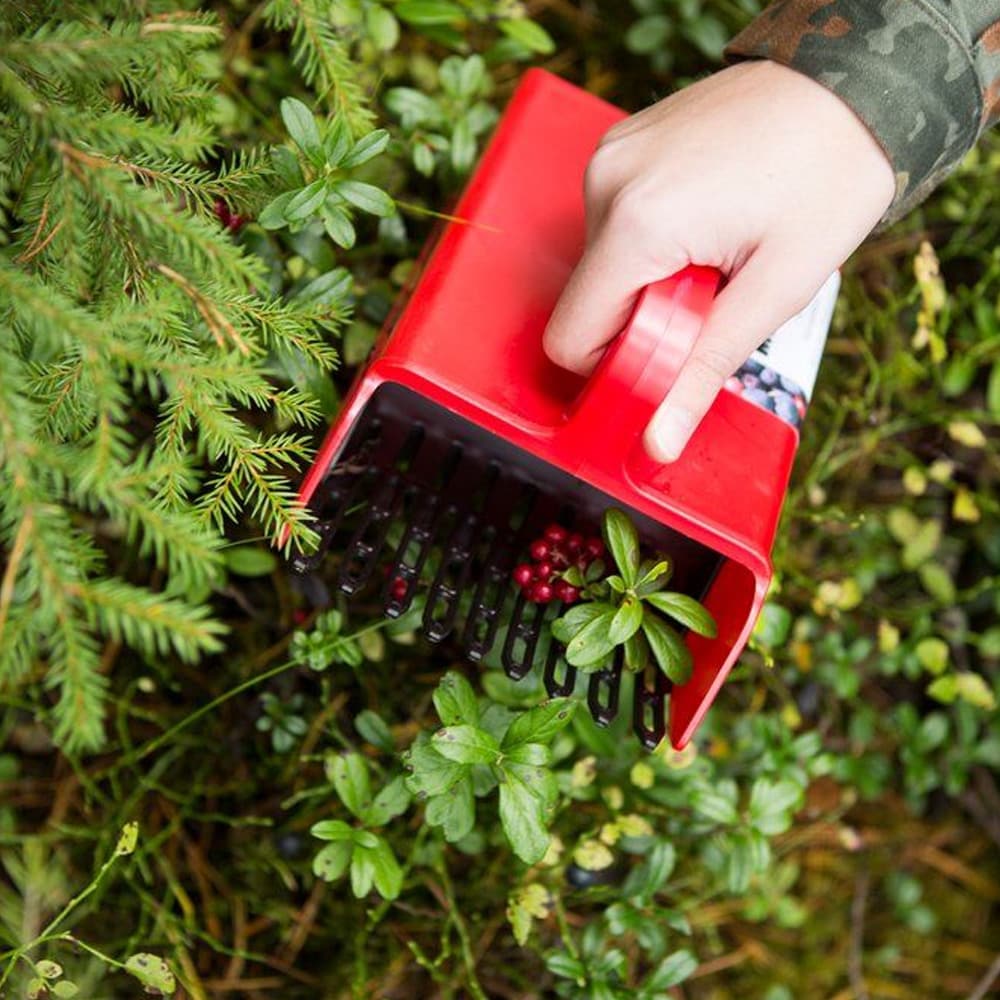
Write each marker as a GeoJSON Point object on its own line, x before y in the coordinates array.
{"type": "Point", "coordinates": [669, 649]}
{"type": "Point", "coordinates": [302, 128]}
{"type": "Point", "coordinates": [772, 804]}
{"type": "Point", "coordinates": [636, 652]}
{"type": "Point", "coordinates": [463, 146]}
{"type": "Point", "coordinates": [153, 972]}
{"type": "Point", "coordinates": [522, 815]}
{"type": "Point", "coordinates": [332, 829]}
{"type": "Point", "coordinates": [566, 627]}
{"type": "Point", "coordinates": [338, 141]}
{"type": "Point", "coordinates": [626, 622]}
{"type": "Point", "coordinates": [366, 148]}
{"type": "Point", "coordinates": [367, 197]}
{"type": "Point", "coordinates": [685, 610]}
{"type": "Point", "coordinates": [362, 870]}
{"type": "Point", "coordinates": [338, 225]}
{"type": "Point", "coordinates": [388, 876]}
{"type": "Point", "coordinates": [455, 700]}
{"type": "Point", "coordinates": [127, 840]}
{"type": "Point", "coordinates": [973, 689]}
{"type": "Point", "coordinates": [932, 653]}
{"type": "Point", "coordinates": [391, 802]}
{"type": "Point", "coordinates": [715, 805]}
{"type": "Point", "coordinates": [529, 34]}
{"type": "Point", "coordinates": [528, 902]}
{"type": "Point", "coordinates": [591, 645]}
{"type": "Point", "coordinates": [306, 202]}
{"type": "Point", "coordinates": [454, 811]}
{"type": "Point", "coordinates": [432, 773]}
{"type": "Point", "coordinates": [466, 745]}
{"type": "Point", "coordinates": [349, 774]}
{"type": "Point", "coordinates": [424, 13]}
{"type": "Point", "coordinates": [648, 878]}
{"type": "Point", "coordinates": [623, 543]}
{"type": "Point", "coordinates": [65, 990]}
{"type": "Point", "coordinates": [382, 28]}
{"type": "Point", "coordinates": [540, 724]}
{"type": "Point", "coordinates": [536, 754]}
{"type": "Point", "coordinates": [48, 970]}
{"type": "Point", "coordinates": [286, 166]}
{"type": "Point", "coordinates": [332, 860]}
{"type": "Point", "coordinates": [250, 560]}
{"type": "Point", "coordinates": [373, 728]}
{"type": "Point", "coordinates": [672, 970]}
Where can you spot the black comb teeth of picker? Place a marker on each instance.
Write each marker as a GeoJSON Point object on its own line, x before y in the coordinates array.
{"type": "Point", "coordinates": [424, 502]}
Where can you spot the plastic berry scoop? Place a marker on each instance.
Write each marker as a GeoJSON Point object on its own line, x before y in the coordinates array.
{"type": "Point", "coordinates": [460, 442]}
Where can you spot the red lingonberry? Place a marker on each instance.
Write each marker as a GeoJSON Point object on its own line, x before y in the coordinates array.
{"type": "Point", "coordinates": [541, 593]}
{"type": "Point", "coordinates": [543, 570]}
{"type": "Point", "coordinates": [299, 616]}
{"type": "Point", "coordinates": [594, 547]}
{"type": "Point", "coordinates": [398, 589]}
{"type": "Point", "coordinates": [523, 574]}
{"type": "Point", "coordinates": [575, 542]}
{"type": "Point", "coordinates": [539, 549]}
{"type": "Point", "coordinates": [567, 593]}
{"type": "Point", "coordinates": [555, 533]}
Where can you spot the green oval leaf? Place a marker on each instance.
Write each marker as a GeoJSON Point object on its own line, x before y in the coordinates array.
{"type": "Point", "coordinates": [529, 34]}
{"type": "Point", "coordinates": [623, 543]}
{"type": "Point", "coordinates": [466, 745]}
{"type": "Point", "coordinates": [302, 128]}
{"type": "Point", "coordinates": [590, 646]}
{"type": "Point", "coordinates": [367, 197]}
{"type": "Point", "coordinates": [153, 972]}
{"type": "Point", "coordinates": [626, 622]}
{"type": "Point", "coordinates": [685, 610]}
{"type": "Point", "coordinates": [669, 650]}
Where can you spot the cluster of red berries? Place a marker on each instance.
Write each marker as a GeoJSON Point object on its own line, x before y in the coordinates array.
{"type": "Point", "coordinates": [233, 222]}
{"type": "Point", "coordinates": [556, 551]}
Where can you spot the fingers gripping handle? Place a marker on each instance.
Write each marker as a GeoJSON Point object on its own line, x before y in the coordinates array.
{"type": "Point", "coordinates": [641, 364]}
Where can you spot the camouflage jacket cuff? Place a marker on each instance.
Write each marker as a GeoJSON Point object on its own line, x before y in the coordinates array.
{"type": "Point", "coordinates": [900, 66]}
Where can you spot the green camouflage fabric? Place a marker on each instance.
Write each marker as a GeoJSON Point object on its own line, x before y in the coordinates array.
{"type": "Point", "coordinates": [923, 75]}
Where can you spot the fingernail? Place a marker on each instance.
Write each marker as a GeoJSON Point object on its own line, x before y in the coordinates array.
{"type": "Point", "coordinates": [668, 434]}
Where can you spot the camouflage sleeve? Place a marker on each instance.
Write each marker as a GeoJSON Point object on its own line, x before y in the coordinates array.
{"type": "Point", "coordinates": [923, 75]}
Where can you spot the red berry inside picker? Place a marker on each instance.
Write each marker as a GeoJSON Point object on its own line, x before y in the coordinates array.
{"type": "Point", "coordinates": [558, 549]}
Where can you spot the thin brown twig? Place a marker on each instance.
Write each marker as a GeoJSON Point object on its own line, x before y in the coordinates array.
{"type": "Point", "coordinates": [986, 983]}
{"type": "Point", "coordinates": [220, 327]}
{"type": "Point", "coordinates": [13, 562]}
{"type": "Point", "coordinates": [854, 965]}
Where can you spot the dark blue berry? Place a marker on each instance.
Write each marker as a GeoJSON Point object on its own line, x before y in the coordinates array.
{"type": "Point", "coordinates": [760, 398]}
{"type": "Point", "coordinates": [768, 377]}
{"type": "Point", "coordinates": [750, 381]}
{"type": "Point", "coordinates": [785, 407]}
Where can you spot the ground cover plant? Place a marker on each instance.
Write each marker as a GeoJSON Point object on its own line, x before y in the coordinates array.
{"type": "Point", "coordinates": [217, 779]}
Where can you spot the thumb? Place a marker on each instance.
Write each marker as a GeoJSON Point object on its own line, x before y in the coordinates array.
{"type": "Point", "coordinates": [754, 303]}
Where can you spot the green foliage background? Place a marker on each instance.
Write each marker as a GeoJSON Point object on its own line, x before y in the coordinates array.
{"type": "Point", "coordinates": [833, 834]}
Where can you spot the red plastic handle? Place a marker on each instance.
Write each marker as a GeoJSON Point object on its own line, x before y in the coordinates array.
{"type": "Point", "coordinates": [641, 364]}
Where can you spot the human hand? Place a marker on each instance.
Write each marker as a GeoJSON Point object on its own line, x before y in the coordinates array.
{"type": "Point", "coordinates": [758, 171]}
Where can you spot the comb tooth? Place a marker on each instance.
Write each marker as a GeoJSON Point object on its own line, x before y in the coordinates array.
{"type": "Point", "coordinates": [418, 535]}
{"type": "Point", "coordinates": [506, 517]}
{"type": "Point", "coordinates": [553, 662]}
{"type": "Point", "coordinates": [452, 577]}
{"type": "Point", "coordinates": [518, 655]}
{"type": "Point", "coordinates": [332, 500]}
{"type": "Point", "coordinates": [366, 543]}
{"type": "Point", "coordinates": [649, 707]}
{"type": "Point", "coordinates": [605, 709]}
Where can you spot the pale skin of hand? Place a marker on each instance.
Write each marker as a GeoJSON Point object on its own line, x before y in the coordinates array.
{"type": "Point", "coordinates": [758, 171]}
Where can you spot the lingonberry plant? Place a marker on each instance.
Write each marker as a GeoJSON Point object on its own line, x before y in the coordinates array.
{"type": "Point", "coordinates": [628, 608]}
